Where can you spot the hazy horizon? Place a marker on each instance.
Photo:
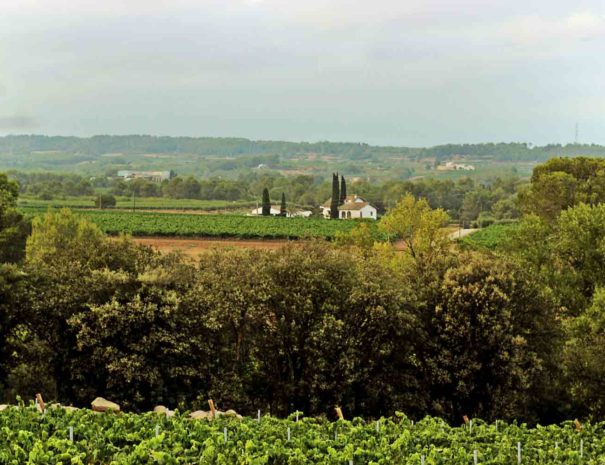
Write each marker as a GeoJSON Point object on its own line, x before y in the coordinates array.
{"type": "Point", "coordinates": [294, 141]}
{"type": "Point", "coordinates": [414, 73]}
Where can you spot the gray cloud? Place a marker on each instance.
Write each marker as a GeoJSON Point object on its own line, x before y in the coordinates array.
{"type": "Point", "coordinates": [18, 123]}
{"type": "Point", "coordinates": [415, 72]}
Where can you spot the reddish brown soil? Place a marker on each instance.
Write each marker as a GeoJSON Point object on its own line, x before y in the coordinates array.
{"type": "Point", "coordinates": [194, 247]}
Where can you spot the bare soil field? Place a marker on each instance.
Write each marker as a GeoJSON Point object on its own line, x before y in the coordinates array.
{"type": "Point", "coordinates": [194, 247]}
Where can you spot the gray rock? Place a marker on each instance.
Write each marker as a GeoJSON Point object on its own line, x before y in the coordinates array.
{"type": "Point", "coordinates": [104, 405]}
{"type": "Point", "coordinates": [200, 415]}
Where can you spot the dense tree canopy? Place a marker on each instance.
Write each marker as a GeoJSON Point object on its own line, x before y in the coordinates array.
{"type": "Point", "coordinates": [13, 227]}
{"type": "Point", "coordinates": [563, 182]}
{"type": "Point", "coordinates": [426, 329]}
{"type": "Point", "coordinates": [306, 327]}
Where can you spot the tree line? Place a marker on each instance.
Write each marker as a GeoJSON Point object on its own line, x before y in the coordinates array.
{"type": "Point", "coordinates": [240, 147]}
{"type": "Point", "coordinates": [464, 200]}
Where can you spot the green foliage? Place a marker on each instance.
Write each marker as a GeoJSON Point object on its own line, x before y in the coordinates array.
{"type": "Point", "coordinates": [335, 199]}
{"type": "Point", "coordinates": [29, 437]}
{"type": "Point", "coordinates": [282, 209]}
{"type": "Point", "coordinates": [584, 357]}
{"type": "Point", "coordinates": [563, 182]}
{"type": "Point", "coordinates": [419, 226]}
{"type": "Point", "coordinates": [61, 238]}
{"type": "Point", "coordinates": [493, 237]}
{"type": "Point", "coordinates": [361, 237]}
{"type": "Point", "coordinates": [343, 190]}
{"type": "Point", "coordinates": [181, 224]}
{"type": "Point", "coordinates": [45, 185]}
{"type": "Point", "coordinates": [464, 198]}
{"type": "Point", "coordinates": [30, 205]}
{"type": "Point", "coordinates": [498, 323]}
{"type": "Point", "coordinates": [13, 227]}
{"type": "Point", "coordinates": [105, 201]}
{"type": "Point", "coordinates": [266, 203]}
{"type": "Point", "coordinates": [426, 329]}
{"type": "Point", "coordinates": [568, 253]}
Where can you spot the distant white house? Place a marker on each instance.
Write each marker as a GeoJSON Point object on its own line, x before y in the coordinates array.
{"type": "Point", "coordinates": [353, 207]}
{"type": "Point", "coordinates": [451, 166]}
{"type": "Point", "coordinates": [301, 214]}
{"type": "Point", "coordinates": [157, 176]}
{"type": "Point", "coordinates": [275, 210]}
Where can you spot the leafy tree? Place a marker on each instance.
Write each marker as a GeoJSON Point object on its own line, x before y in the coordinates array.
{"type": "Point", "coordinates": [506, 209]}
{"type": "Point", "coordinates": [334, 202]}
{"type": "Point", "coordinates": [495, 340]}
{"type": "Point", "coordinates": [266, 204]}
{"type": "Point", "coordinates": [360, 237]}
{"type": "Point", "coordinates": [343, 190]}
{"type": "Point", "coordinates": [418, 226]}
{"type": "Point", "coordinates": [569, 254]}
{"type": "Point", "coordinates": [549, 194]}
{"type": "Point", "coordinates": [11, 299]}
{"type": "Point", "coordinates": [105, 201]}
{"type": "Point", "coordinates": [282, 210]}
{"type": "Point", "coordinates": [563, 182]}
{"type": "Point", "coordinates": [13, 227]}
{"type": "Point", "coordinates": [60, 239]}
{"type": "Point", "coordinates": [585, 371]}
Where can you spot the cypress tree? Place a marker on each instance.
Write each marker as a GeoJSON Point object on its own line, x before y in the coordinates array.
{"type": "Point", "coordinates": [343, 190]}
{"type": "Point", "coordinates": [282, 210]}
{"type": "Point", "coordinates": [335, 197]}
{"type": "Point", "coordinates": [266, 202]}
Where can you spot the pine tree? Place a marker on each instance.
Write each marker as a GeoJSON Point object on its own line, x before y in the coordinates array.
{"type": "Point", "coordinates": [335, 197]}
{"type": "Point", "coordinates": [266, 202]}
{"type": "Point", "coordinates": [343, 190]}
{"type": "Point", "coordinates": [282, 210]}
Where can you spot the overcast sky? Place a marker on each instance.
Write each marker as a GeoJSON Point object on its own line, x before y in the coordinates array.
{"type": "Point", "coordinates": [405, 72]}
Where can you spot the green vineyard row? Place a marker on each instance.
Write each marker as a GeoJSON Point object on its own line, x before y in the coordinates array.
{"type": "Point", "coordinates": [192, 225]}
{"type": "Point", "coordinates": [84, 437]}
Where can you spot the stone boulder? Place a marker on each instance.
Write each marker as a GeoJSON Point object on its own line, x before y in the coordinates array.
{"type": "Point", "coordinates": [162, 410]}
{"type": "Point", "coordinates": [3, 407]}
{"type": "Point", "coordinates": [232, 413]}
{"type": "Point", "coordinates": [200, 415]}
{"type": "Point", "coordinates": [104, 405]}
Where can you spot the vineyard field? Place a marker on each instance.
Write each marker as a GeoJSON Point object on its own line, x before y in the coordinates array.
{"type": "Point", "coordinates": [191, 225]}
{"type": "Point", "coordinates": [148, 203]}
{"type": "Point", "coordinates": [83, 437]}
{"type": "Point", "coordinates": [490, 238]}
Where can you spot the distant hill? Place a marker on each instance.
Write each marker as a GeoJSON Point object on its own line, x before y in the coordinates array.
{"type": "Point", "coordinates": [233, 157]}
{"type": "Point", "coordinates": [231, 146]}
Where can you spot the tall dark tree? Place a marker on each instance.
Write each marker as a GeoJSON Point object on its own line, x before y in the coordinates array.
{"type": "Point", "coordinates": [282, 209]}
{"type": "Point", "coordinates": [266, 202]}
{"type": "Point", "coordinates": [335, 197]}
{"type": "Point", "coordinates": [343, 190]}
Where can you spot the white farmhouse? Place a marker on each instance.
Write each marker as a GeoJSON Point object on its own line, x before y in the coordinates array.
{"type": "Point", "coordinates": [451, 166]}
{"type": "Point", "coordinates": [275, 210]}
{"type": "Point", "coordinates": [353, 207]}
{"type": "Point", "coordinates": [156, 176]}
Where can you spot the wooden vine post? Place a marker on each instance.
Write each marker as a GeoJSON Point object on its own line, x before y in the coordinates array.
{"type": "Point", "coordinates": [212, 409]}
{"type": "Point", "coordinates": [40, 402]}
{"type": "Point", "coordinates": [339, 413]}
{"type": "Point", "coordinates": [578, 425]}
